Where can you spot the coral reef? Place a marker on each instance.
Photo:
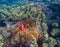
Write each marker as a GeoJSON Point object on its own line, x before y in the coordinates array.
{"type": "Point", "coordinates": [35, 34]}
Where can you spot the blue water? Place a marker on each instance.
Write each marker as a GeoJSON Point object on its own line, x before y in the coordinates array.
{"type": "Point", "coordinates": [10, 2]}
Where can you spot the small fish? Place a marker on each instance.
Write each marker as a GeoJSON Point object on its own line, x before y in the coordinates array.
{"type": "Point", "coordinates": [21, 27]}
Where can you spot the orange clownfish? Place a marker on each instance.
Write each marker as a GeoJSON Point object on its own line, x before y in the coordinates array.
{"type": "Point", "coordinates": [21, 27]}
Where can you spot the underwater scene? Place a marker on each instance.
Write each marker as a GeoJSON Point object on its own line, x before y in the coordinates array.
{"type": "Point", "coordinates": [29, 23]}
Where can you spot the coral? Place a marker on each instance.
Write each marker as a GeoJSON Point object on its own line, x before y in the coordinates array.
{"type": "Point", "coordinates": [1, 40]}
{"type": "Point", "coordinates": [17, 36]}
{"type": "Point", "coordinates": [18, 12]}
{"type": "Point", "coordinates": [37, 31]}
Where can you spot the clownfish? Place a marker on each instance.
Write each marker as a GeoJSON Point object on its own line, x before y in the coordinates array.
{"type": "Point", "coordinates": [23, 26]}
